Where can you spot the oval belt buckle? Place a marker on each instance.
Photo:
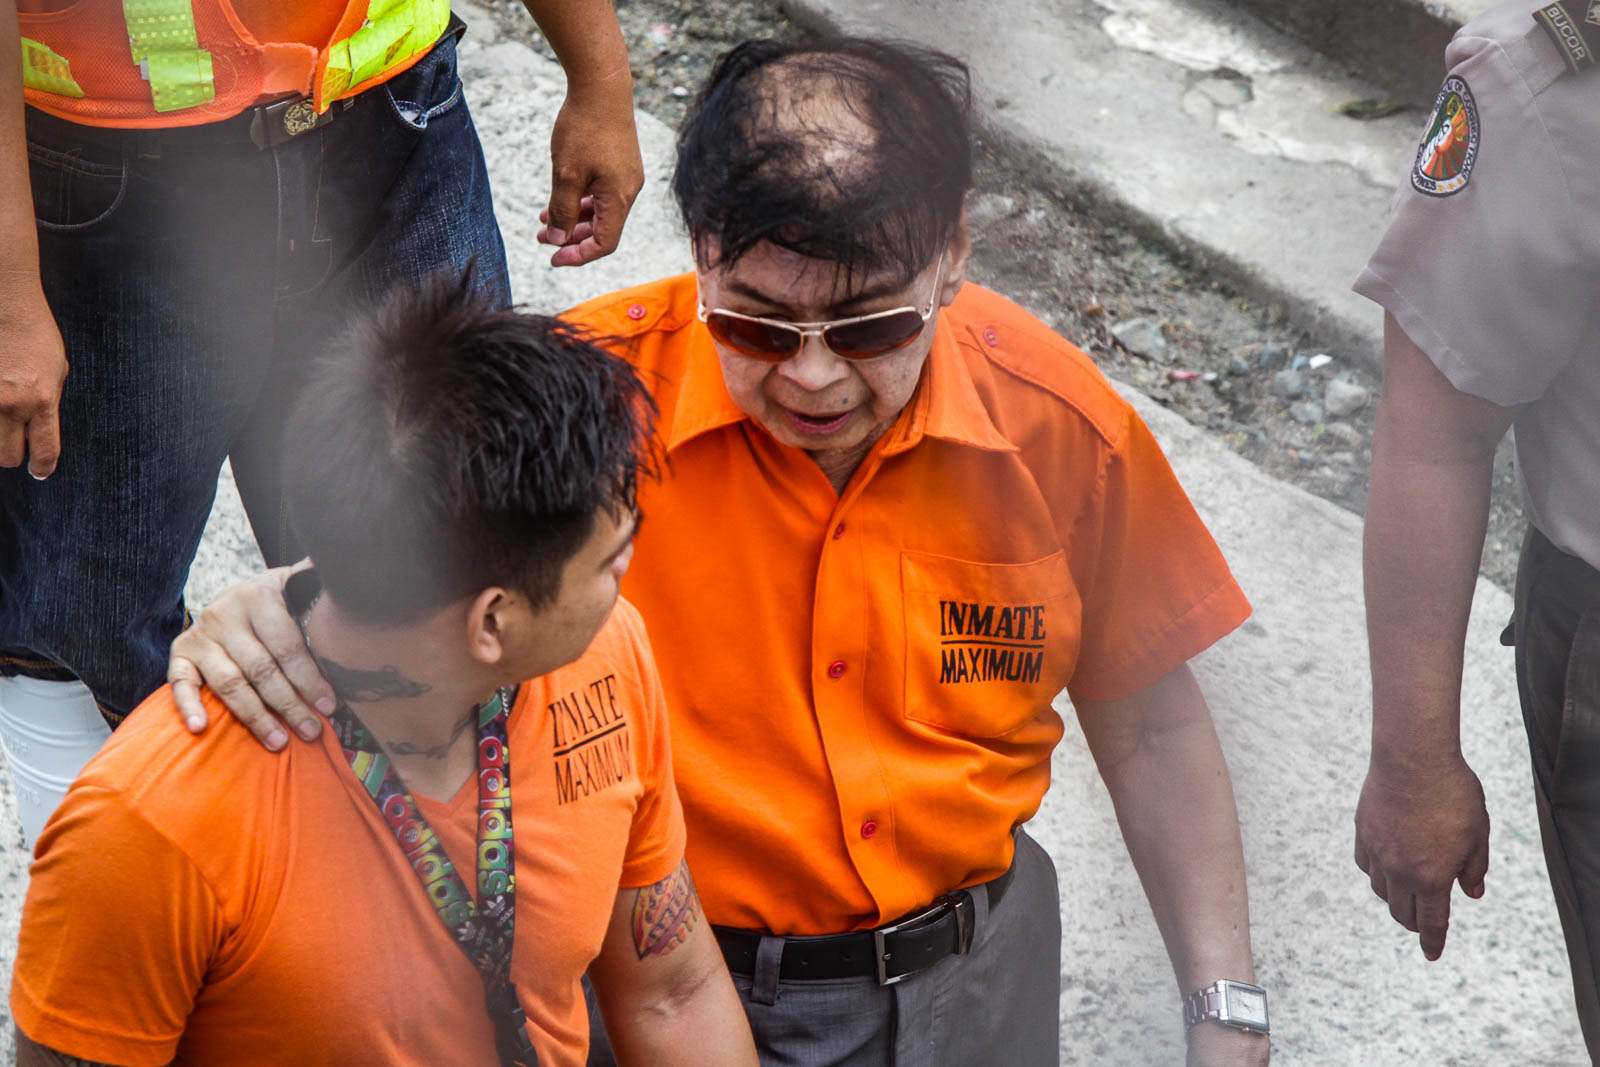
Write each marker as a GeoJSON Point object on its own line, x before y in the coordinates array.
{"type": "Point", "coordinates": [278, 122]}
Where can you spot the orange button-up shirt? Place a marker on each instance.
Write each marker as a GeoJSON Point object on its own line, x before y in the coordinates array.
{"type": "Point", "coordinates": [860, 683]}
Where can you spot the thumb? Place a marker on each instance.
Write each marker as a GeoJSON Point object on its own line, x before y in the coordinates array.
{"type": "Point", "coordinates": [1476, 867]}
{"type": "Point", "coordinates": [610, 213]}
{"type": "Point", "coordinates": [566, 191]}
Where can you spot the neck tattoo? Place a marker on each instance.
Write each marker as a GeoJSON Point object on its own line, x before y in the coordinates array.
{"type": "Point", "coordinates": [357, 686]}
{"type": "Point", "coordinates": [439, 751]}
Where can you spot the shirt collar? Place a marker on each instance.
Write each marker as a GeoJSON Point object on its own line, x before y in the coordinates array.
{"type": "Point", "coordinates": [945, 405]}
{"type": "Point", "coordinates": [703, 403]}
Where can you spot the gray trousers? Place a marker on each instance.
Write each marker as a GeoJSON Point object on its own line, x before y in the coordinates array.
{"type": "Point", "coordinates": [998, 1004]}
{"type": "Point", "coordinates": [1557, 634]}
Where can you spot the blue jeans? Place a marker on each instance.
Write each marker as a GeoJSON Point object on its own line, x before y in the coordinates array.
{"type": "Point", "coordinates": [195, 277]}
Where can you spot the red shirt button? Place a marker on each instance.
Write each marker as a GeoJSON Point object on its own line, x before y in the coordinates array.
{"type": "Point", "coordinates": [838, 531]}
{"type": "Point", "coordinates": [636, 311]}
{"type": "Point", "coordinates": [836, 668]}
{"type": "Point", "coordinates": [869, 828]}
{"type": "Point", "coordinates": [991, 335]}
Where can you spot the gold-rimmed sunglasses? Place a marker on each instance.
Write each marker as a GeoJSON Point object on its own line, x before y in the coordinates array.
{"type": "Point", "coordinates": [857, 337]}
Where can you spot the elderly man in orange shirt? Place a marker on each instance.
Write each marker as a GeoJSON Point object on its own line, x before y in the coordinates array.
{"type": "Point", "coordinates": [901, 516]}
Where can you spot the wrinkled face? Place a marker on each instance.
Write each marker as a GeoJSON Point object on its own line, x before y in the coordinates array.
{"type": "Point", "coordinates": [817, 400]}
{"type": "Point", "coordinates": [560, 631]}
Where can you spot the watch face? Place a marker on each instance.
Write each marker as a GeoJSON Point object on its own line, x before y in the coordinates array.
{"type": "Point", "coordinates": [1247, 1005]}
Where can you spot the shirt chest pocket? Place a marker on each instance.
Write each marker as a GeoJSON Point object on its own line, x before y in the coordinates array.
{"type": "Point", "coordinates": [987, 644]}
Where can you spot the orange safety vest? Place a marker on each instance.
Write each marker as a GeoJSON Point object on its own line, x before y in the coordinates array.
{"type": "Point", "coordinates": [154, 63]}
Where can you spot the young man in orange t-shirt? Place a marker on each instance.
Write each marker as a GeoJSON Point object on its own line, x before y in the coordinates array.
{"type": "Point", "coordinates": [493, 812]}
{"type": "Point", "coordinates": [901, 516]}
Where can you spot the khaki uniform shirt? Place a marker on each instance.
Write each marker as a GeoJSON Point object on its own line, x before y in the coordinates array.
{"type": "Point", "coordinates": [1491, 262]}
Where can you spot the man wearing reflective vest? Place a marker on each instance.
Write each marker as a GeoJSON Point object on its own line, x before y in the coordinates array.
{"type": "Point", "coordinates": [900, 516]}
{"type": "Point", "coordinates": [215, 185]}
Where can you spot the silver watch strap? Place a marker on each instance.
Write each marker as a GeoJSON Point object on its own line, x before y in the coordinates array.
{"type": "Point", "coordinates": [1211, 1003]}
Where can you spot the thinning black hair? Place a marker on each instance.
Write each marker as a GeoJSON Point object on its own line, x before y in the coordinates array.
{"type": "Point", "coordinates": [445, 446]}
{"type": "Point", "coordinates": [847, 149]}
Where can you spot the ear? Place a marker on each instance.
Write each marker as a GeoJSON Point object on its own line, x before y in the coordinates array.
{"type": "Point", "coordinates": [490, 619]}
{"type": "Point", "coordinates": [956, 252]}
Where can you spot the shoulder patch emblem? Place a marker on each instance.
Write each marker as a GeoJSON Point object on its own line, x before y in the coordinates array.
{"type": "Point", "coordinates": [1450, 145]}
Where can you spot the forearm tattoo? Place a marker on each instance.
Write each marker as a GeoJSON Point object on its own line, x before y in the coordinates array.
{"type": "Point", "coordinates": [364, 687]}
{"type": "Point", "coordinates": [664, 914]}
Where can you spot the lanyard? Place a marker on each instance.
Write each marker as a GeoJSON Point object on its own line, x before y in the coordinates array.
{"type": "Point", "coordinates": [484, 930]}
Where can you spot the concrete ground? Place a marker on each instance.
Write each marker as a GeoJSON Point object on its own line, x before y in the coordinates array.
{"type": "Point", "coordinates": [1289, 692]}
{"type": "Point", "coordinates": [1194, 120]}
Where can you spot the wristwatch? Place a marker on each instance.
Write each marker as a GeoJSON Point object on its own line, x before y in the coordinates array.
{"type": "Point", "coordinates": [1236, 1004]}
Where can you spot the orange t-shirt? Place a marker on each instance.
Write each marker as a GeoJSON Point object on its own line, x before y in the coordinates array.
{"type": "Point", "coordinates": [202, 900]}
{"type": "Point", "coordinates": [861, 683]}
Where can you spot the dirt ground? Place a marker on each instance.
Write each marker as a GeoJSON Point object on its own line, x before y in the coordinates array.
{"type": "Point", "coordinates": [1241, 370]}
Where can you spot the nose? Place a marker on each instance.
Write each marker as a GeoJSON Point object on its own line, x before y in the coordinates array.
{"type": "Point", "coordinates": [815, 366]}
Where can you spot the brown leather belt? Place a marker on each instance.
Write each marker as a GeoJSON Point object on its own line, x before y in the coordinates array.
{"type": "Point", "coordinates": [890, 953]}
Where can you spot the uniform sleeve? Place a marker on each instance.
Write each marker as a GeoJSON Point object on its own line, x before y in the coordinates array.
{"type": "Point", "coordinates": [656, 842]}
{"type": "Point", "coordinates": [1485, 268]}
{"type": "Point", "coordinates": [117, 933]}
{"type": "Point", "coordinates": [1156, 590]}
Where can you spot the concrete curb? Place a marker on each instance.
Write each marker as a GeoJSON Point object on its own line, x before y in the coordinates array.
{"type": "Point", "coordinates": [1198, 128]}
{"type": "Point", "coordinates": [1398, 44]}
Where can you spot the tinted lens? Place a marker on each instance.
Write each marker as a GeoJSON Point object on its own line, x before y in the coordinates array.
{"type": "Point", "coordinates": [862, 340]}
{"type": "Point", "coordinates": [753, 338]}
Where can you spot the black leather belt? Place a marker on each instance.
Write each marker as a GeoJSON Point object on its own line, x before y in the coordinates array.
{"type": "Point", "coordinates": [889, 953]}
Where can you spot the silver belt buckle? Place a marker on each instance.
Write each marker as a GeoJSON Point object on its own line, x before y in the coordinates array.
{"type": "Point", "coordinates": [959, 902]}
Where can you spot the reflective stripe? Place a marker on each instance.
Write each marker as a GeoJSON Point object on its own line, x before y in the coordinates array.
{"type": "Point", "coordinates": [46, 71]}
{"type": "Point", "coordinates": [162, 39]}
{"type": "Point", "coordinates": [395, 31]}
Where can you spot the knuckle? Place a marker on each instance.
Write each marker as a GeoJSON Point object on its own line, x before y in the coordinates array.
{"type": "Point", "coordinates": [230, 685]}
{"type": "Point", "coordinates": [261, 673]}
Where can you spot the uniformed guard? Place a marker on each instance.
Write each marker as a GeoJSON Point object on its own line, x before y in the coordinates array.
{"type": "Point", "coordinates": [1488, 273]}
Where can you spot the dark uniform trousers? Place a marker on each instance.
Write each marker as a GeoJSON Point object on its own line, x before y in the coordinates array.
{"type": "Point", "coordinates": [1000, 1003]}
{"type": "Point", "coordinates": [1556, 629]}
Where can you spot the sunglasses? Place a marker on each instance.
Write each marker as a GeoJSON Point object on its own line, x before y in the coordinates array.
{"type": "Point", "coordinates": [858, 337]}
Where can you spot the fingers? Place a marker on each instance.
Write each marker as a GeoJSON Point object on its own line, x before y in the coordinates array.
{"type": "Point", "coordinates": [579, 232]}
{"type": "Point", "coordinates": [1476, 868]}
{"type": "Point", "coordinates": [594, 232]}
{"type": "Point", "coordinates": [185, 680]}
{"type": "Point", "coordinates": [610, 213]}
{"type": "Point", "coordinates": [231, 685]}
{"type": "Point", "coordinates": [586, 251]}
{"type": "Point", "coordinates": [1432, 922]}
{"type": "Point", "coordinates": [566, 195]}
{"type": "Point", "coordinates": [44, 443]}
{"type": "Point", "coordinates": [284, 674]}
{"type": "Point", "coordinates": [12, 442]}
{"type": "Point", "coordinates": [248, 649]}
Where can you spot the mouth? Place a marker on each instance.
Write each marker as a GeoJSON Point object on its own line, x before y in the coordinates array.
{"type": "Point", "coordinates": [816, 425]}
